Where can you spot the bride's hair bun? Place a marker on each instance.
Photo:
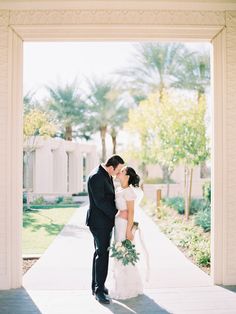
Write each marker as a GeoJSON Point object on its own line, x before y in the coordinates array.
{"type": "Point", "coordinates": [133, 177]}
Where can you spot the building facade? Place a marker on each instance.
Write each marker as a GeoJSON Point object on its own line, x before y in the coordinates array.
{"type": "Point", "coordinates": [57, 167]}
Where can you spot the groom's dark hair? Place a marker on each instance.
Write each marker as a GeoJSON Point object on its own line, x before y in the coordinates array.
{"type": "Point", "coordinates": [114, 161]}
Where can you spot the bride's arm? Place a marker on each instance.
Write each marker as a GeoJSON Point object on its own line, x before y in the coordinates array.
{"type": "Point", "coordinates": [130, 207]}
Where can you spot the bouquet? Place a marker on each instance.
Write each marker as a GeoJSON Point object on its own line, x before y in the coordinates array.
{"type": "Point", "coordinates": [125, 252]}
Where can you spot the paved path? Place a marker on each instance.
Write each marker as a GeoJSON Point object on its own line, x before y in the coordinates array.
{"type": "Point", "coordinates": [59, 283]}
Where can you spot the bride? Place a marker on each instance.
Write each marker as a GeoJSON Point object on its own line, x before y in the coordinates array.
{"type": "Point", "coordinates": [126, 281]}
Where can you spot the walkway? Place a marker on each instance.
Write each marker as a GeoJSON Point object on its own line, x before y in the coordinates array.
{"type": "Point", "coordinates": [59, 283]}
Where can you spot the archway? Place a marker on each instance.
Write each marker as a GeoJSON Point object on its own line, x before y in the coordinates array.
{"type": "Point", "coordinates": [103, 25]}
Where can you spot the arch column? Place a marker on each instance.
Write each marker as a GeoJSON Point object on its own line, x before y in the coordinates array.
{"type": "Point", "coordinates": [11, 156]}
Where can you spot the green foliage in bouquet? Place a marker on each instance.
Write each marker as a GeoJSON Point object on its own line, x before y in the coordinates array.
{"type": "Point", "coordinates": [125, 252]}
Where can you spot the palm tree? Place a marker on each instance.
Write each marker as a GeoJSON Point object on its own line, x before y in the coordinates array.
{"type": "Point", "coordinates": [121, 116]}
{"type": "Point", "coordinates": [29, 102]}
{"type": "Point", "coordinates": [67, 106]}
{"type": "Point", "coordinates": [104, 104]}
{"type": "Point", "coordinates": [195, 73]}
{"type": "Point", "coordinates": [154, 68]}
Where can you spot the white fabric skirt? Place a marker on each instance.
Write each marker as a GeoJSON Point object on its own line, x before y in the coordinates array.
{"type": "Point", "coordinates": [126, 280]}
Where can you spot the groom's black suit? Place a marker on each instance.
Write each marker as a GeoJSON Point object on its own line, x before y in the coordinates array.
{"type": "Point", "coordinates": [100, 219]}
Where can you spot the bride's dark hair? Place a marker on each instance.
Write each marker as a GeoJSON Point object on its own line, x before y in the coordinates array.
{"type": "Point", "coordinates": [133, 177]}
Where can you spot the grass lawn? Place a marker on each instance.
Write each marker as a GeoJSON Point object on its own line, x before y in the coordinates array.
{"type": "Point", "coordinates": [40, 228]}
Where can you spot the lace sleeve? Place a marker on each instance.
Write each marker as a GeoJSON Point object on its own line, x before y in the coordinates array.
{"type": "Point", "coordinates": [130, 195]}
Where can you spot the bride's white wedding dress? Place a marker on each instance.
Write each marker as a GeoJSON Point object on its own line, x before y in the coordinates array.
{"type": "Point", "coordinates": [126, 280]}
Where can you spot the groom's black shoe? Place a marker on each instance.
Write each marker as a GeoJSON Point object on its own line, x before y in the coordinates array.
{"type": "Point", "coordinates": [102, 298]}
{"type": "Point", "coordinates": [105, 291]}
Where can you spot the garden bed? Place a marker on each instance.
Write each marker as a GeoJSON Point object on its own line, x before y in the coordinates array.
{"type": "Point", "coordinates": [189, 238]}
{"type": "Point", "coordinates": [28, 263]}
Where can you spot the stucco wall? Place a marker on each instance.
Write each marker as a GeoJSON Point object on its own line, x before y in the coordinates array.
{"type": "Point", "coordinates": [230, 122]}
{"type": "Point", "coordinates": [4, 171]}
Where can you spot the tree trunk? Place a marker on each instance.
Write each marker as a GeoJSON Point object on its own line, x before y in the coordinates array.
{"type": "Point", "coordinates": [161, 90]}
{"type": "Point", "coordinates": [144, 170]}
{"type": "Point", "coordinates": [190, 188]}
{"type": "Point", "coordinates": [113, 137]}
{"type": "Point", "coordinates": [186, 192]}
{"type": "Point", "coordinates": [114, 144]}
{"type": "Point", "coordinates": [166, 174]}
{"type": "Point", "coordinates": [103, 132]}
{"type": "Point", "coordinates": [68, 135]}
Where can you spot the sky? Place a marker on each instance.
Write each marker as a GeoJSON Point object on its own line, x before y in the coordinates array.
{"type": "Point", "coordinates": [51, 63]}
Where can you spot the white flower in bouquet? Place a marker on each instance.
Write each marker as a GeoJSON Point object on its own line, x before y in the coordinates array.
{"type": "Point", "coordinates": [118, 245]}
{"type": "Point", "coordinates": [126, 253]}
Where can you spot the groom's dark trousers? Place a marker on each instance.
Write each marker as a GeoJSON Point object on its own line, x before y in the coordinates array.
{"type": "Point", "coordinates": [100, 219]}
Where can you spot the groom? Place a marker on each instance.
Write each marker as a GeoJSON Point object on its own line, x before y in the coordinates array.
{"type": "Point", "coordinates": [100, 219]}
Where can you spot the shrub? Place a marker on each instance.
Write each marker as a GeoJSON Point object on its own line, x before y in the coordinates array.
{"type": "Point", "coordinates": [203, 219]}
{"type": "Point", "coordinates": [24, 198]}
{"type": "Point", "coordinates": [38, 201]}
{"type": "Point", "coordinates": [84, 193]}
{"type": "Point", "coordinates": [203, 253]}
{"type": "Point", "coordinates": [206, 191]}
{"type": "Point", "coordinates": [59, 199]}
{"type": "Point", "coordinates": [68, 200]}
{"type": "Point", "coordinates": [25, 207]}
{"type": "Point", "coordinates": [175, 202]}
{"type": "Point", "coordinates": [197, 204]}
{"type": "Point", "coordinates": [60, 205]}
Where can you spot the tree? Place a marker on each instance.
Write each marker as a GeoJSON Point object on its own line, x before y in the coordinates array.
{"type": "Point", "coordinates": [36, 124]}
{"type": "Point", "coordinates": [193, 148]}
{"type": "Point", "coordinates": [194, 74]}
{"type": "Point", "coordinates": [29, 102]}
{"type": "Point", "coordinates": [104, 105]}
{"type": "Point", "coordinates": [171, 131]}
{"type": "Point", "coordinates": [120, 117]}
{"type": "Point", "coordinates": [154, 121]}
{"type": "Point", "coordinates": [154, 68]}
{"type": "Point", "coordinates": [142, 122]}
{"type": "Point", "coordinates": [68, 107]}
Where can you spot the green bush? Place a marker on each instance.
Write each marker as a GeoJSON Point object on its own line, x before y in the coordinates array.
{"type": "Point", "coordinates": [68, 200]}
{"type": "Point", "coordinates": [175, 202]}
{"type": "Point", "coordinates": [203, 219]}
{"type": "Point", "coordinates": [59, 199]}
{"type": "Point", "coordinates": [84, 193]}
{"type": "Point", "coordinates": [203, 258]}
{"type": "Point", "coordinates": [197, 204]}
{"type": "Point", "coordinates": [203, 253]}
{"type": "Point", "coordinates": [38, 201]}
{"type": "Point", "coordinates": [25, 207]}
{"type": "Point", "coordinates": [206, 191]}
{"type": "Point", "coordinates": [53, 206]}
{"type": "Point", "coordinates": [24, 198]}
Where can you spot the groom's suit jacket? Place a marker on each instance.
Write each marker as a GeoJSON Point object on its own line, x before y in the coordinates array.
{"type": "Point", "coordinates": [102, 209]}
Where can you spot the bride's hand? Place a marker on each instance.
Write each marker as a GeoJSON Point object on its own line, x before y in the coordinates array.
{"type": "Point", "coordinates": [129, 235]}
